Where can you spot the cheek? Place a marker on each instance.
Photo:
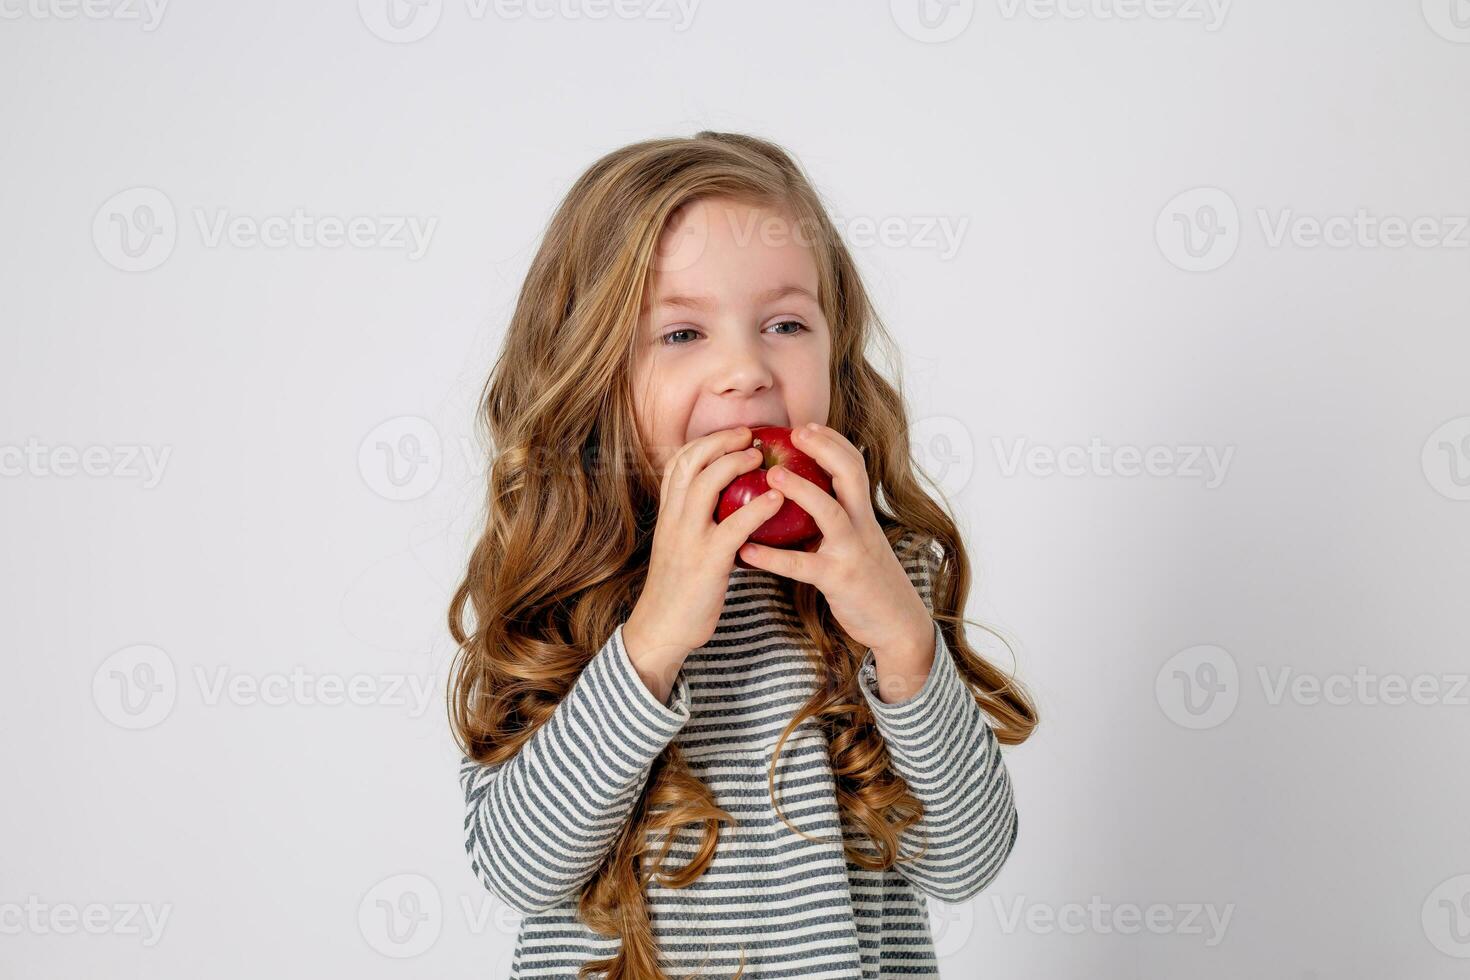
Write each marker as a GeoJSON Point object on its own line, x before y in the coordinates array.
{"type": "Point", "coordinates": [661, 431]}
{"type": "Point", "coordinates": [808, 378]}
{"type": "Point", "coordinates": [652, 418]}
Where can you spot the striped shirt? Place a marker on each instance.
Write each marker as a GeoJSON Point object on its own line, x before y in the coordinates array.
{"type": "Point", "coordinates": [540, 824]}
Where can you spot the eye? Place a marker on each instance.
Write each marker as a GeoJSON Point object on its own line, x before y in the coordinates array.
{"type": "Point", "coordinates": [673, 333]}
{"type": "Point", "coordinates": [792, 323]}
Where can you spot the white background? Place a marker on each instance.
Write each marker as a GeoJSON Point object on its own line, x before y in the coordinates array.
{"type": "Point", "coordinates": [290, 836]}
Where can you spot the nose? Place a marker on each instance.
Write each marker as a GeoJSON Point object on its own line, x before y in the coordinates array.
{"type": "Point", "coordinates": [741, 366]}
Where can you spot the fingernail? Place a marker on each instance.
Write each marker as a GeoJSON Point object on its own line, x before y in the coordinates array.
{"type": "Point", "coordinates": [775, 475]}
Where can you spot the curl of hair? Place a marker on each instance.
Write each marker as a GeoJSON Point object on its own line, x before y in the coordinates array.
{"type": "Point", "coordinates": [572, 498]}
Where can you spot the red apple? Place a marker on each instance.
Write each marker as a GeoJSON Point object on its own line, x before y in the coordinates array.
{"type": "Point", "coordinates": [791, 526]}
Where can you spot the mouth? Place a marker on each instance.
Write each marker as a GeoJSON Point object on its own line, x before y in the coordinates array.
{"type": "Point", "coordinates": [751, 425]}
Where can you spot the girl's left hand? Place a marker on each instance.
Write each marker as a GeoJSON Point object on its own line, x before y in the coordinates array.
{"type": "Point", "coordinates": [854, 566]}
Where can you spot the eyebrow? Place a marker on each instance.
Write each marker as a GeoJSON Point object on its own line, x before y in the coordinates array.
{"type": "Point", "coordinates": [705, 302]}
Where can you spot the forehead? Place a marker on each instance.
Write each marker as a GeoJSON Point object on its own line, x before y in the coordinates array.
{"type": "Point", "coordinates": [721, 251]}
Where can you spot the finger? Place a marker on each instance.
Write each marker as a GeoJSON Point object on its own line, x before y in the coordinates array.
{"type": "Point", "coordinates": [734, 530]}
{"type": "Point", "coordinates": [844, 463]}
{"type": "Point", "coordinates": [707, 486]}
{"type": "Point", "coordinates": [800, 565]}
{"type": "Point", "coordinates": [696, 455]}
{"type": "Point", "coordinates": [827, 434]}
{"type": "Point", "coordinates": [829, 514]}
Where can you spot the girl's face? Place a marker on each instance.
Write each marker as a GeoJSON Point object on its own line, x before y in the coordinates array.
{"type": "Point", "coordinates": [731, 333]}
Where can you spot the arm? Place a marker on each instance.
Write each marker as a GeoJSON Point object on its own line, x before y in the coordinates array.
{"type": "Point", "coordinates": [940, 742]}
{"type": "Point", "coordinates": [538, 825]}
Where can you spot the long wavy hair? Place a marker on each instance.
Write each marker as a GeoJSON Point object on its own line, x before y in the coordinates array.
{"type": "Point", "coordinates": [572, 498]}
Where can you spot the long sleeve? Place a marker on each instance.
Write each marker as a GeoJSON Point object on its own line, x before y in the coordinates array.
{"type": "Point", "coordinates": [538, 825]}
{"type": "Point", "coordinates": [942, 745]}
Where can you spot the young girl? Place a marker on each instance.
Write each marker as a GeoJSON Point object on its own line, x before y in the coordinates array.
{"type": "Point", "coordinates": [685, 754]}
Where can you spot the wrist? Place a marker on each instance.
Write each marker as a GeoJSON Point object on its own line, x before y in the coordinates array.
{"type": "Point", "coordinates": [914, 643]}
{"type": "Point", "coordinates": [657, 664]}
{"type": "Point", "coordinates": [901, 668]}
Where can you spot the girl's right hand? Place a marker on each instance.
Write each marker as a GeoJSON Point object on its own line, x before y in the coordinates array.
{"type": "Point", "coordinates": [692, 556]}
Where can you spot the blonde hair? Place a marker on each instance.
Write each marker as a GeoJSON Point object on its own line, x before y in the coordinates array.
{"type": "Point", "coordinates": [572, 499]}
